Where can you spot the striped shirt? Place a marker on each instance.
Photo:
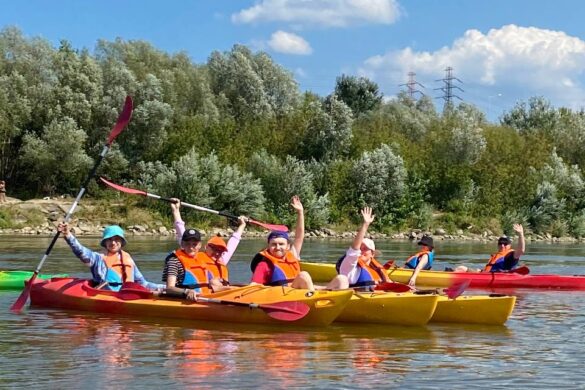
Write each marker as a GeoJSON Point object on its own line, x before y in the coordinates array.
{"type": "Point", "coordinates": [173, 267]}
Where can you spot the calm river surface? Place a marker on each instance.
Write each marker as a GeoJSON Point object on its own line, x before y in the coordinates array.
{"type": "Point", "coordinates": [541, 345]}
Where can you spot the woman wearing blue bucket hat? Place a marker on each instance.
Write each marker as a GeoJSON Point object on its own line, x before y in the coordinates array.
{"type": "Point", "coordinates": [111, 267]}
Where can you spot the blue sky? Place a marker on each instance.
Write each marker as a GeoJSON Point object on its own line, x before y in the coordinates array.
{"type": "Point", "coordinates": [504, 51]}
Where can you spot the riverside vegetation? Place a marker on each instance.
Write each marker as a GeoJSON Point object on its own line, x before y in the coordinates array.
{"type": "Point", "coordinates": [237, 134]}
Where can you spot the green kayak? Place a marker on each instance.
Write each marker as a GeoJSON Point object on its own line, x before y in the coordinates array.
{"type": "Point", "coordinates": [14, 280]}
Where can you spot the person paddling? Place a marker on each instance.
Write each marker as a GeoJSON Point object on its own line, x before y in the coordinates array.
{"type": "Point", "coordinates": [363, 271]}
{"type": "Point", "coordinates": [111, 267]}
{"type": "Point", "coordinates": [278, 264]}
{"type": "Point", "coordinates": [194, 272]}
{"type": "Point", "coordinates": [422, 260]}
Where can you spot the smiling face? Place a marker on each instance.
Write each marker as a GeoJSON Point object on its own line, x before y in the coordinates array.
{"type": "Point", "coordinates": [367, 253]}
{"type": "Point", "coordinates": [190, 247]}
{"type": "Point", "coordinates": [113, 244]}
{"type": "Point", "coordinates": [278, 246]}
{"type": "Point", "coordinates": [214, 252]}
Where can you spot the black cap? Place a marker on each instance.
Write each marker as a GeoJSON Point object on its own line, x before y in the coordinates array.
{"type": "Point", "coordinates": [426, 240]}
{"type": "Point", "coordinates": [505, 240]}
{"type": "Point", "coordinates": [191, 234]}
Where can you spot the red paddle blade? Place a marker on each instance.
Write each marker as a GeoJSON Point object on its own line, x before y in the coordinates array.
{"type": "Point", "coordinates": [269, 226]}
{"type": "Point", "coordinates": [457, 289]}
{"type": "Point", "coordinates": [286, 311]}
{"type": "Point", "coordinates": [393, 287]}
{"type": "Point", "coordinates": [23, 297]}
{"type": "Point", "coordinates": [122, 188]}
{"type": "Point", "coordinates": [122, 121]}
{"type": "Point", "coordinates": [523, 270]}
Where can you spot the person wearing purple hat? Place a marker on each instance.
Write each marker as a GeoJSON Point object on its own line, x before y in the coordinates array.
{"type": "Point", "coordinates": [278, 264]}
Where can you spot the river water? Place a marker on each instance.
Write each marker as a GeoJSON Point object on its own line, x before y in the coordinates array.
{"type": "Point", "coordinates": [541, 346]}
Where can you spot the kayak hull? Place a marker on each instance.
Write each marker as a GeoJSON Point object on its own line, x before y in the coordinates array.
{"type": "Point", "coordinates": [321, 272]}
{"type": "Point", "coordinates": [478, 309]}
{"type": "Point", "coordinates": [76, 294]}
{"type": "Point", "coordinates": [389, 308]}
{"type": "Point", "coordinates": [15, 280]}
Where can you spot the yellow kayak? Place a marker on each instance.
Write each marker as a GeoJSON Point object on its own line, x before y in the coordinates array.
{"type": "Point", "coordinates": [389, 308]}
{"type": "Point", "coordinates": [475, 309]}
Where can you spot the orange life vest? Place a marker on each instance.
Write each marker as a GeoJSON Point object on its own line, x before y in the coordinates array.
{"type": "Point", "coordinates": [497, 258]}
{"type": "Point", "coordinates": [120, 268]}
{"type": "Point", "coordinates": [284, 269]}
{"type": "Point", "coordinates": [413, 260]}
{"type": "Point", "coordinates": [196, 276]}
{"type": "Point", "coordinates": [215, 269]}
{"type": "Point", "coordinates": [370, 274]}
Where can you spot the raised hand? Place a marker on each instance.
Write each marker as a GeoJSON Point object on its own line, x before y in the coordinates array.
{"type": "Point", "coordinates": [175, 204]}
{"type": "Point", "coordinates": [519, 229]}
{"type": "Point", "coordinates": [367, 215]}
{"type": "Point", "coordinates": [296, 203]}
{"type": "Point", "coordinates": [64, 229]}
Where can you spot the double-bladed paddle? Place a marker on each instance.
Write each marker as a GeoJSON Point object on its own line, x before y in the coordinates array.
{"type": "Point", "coordinates": [133, 191]}
{"type": "Point", "coordinates": [121, 123]}
{"type": "Point", "coordinates": [283, 311]}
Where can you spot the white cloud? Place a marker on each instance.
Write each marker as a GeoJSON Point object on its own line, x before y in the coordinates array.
{"type": "Point", "coordinates": [289, 43]}
{"type": "Point", "coordinates": [321, 13]}
{"type": "Point", "coordinates": [536, 61]}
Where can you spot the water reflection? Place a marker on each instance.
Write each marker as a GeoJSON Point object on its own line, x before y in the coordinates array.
{"type": "Point", "coordinates": [540, 346]}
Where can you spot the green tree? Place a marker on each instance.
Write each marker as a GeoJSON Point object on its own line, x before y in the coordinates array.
{"type": "Point", "coordinates": [358, 93]}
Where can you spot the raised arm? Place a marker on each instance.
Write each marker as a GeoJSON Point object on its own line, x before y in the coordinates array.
{"type": "Point", "coordinates": [521, 247]}
{"type": "Point", "coordinates": [361, 233]}
{"type": "Point", "coordinates": [177, 219]}
{"type": "Point", "coordinates": [300, 228]}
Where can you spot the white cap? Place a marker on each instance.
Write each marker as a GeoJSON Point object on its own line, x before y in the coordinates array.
{"type": "Point", "coordinates": [369, 243]}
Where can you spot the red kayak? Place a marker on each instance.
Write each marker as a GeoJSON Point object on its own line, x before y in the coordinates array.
{"type": "Point", "coordinates": [322, 272]}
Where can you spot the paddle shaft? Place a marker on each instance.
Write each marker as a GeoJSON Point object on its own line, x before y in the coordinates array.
{"type": "Point", "coordinates": [193, 206]}
{"type": "Point", "coordinates": [121, 123]}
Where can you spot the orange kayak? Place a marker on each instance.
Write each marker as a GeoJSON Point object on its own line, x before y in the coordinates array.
{"type": "Point", "coordinates": [249, 304]}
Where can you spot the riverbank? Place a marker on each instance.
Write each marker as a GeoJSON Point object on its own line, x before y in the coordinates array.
{"type": "Point", "coordinates": [41, 216]}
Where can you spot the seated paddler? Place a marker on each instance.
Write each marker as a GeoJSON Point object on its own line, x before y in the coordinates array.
{"type": "Point", "coordinates": [278, 264]}
{"type": "Point", "coordinates": [216, 254]}
{"type": "Point", "coordinates": [422, 260]}
{"type": "Point", "coordinates": [112, 266]}
{"type": "Point", "coordinates": [358, 263]}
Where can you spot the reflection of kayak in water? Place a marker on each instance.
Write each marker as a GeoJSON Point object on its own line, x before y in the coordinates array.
{"type": "Point", "coordinates": [14, 280]}
{"type": "Point", "coordinates": [321, 272]}
{"type": "Point", "coordinates": [77, 294]}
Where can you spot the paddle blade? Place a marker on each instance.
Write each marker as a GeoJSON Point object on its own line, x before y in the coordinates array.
{"type": "Point", "coordinates": [269, 226]}
{"type": "Point", "coordinates": [457, 289]}
{"type": "Point", "coordinates": [122, 121]}
{"type": "Point", "coordinates": [286, 311]}
{"type": "Point", "coordinates": [23, 297]}
{"type": "Point", "coordinates": [122, 188]}
{"type": "Point", "coordinates": [393, 287]}
{"type": "Point", "coordinates": [522, 270]}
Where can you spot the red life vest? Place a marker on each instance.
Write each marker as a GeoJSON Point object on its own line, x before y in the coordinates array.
{"type": "Point", "coordinates": [497, 258]}
{"type": "Point", "coordinates": [215, 269]}
{"type": "Point", "coordinates": [284, 269]}
{"type": "Point", "coordinates": [121, 265]}
{"type": "Point", "coordinates": [196, 276]}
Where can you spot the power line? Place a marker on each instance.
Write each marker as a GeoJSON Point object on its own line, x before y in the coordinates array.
{"type": "Point", "coordinates": [448, 88]}
{"type": "Point", "coordinates": [411, 85]}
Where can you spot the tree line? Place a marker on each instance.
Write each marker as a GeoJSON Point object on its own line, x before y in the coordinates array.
{"type": "Point", "coordinates": [236, 133]}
